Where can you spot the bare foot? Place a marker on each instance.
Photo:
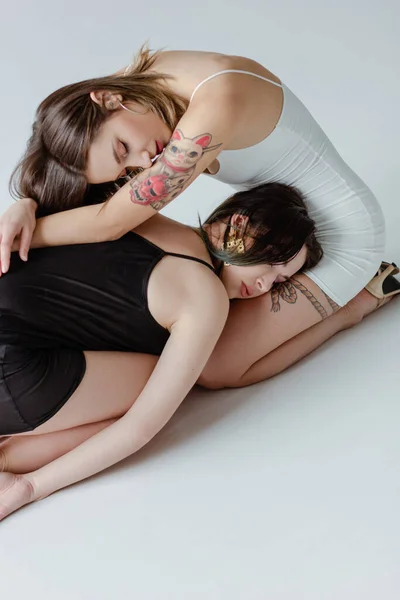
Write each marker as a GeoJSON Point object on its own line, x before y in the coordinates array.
{"type": "Point", "coordinates": [360, 307]}
{"type": "Point", "coordinates": [15, 491]}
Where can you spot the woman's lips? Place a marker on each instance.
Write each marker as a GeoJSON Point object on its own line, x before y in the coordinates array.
{"type": "Point", "coordinates": [159, 148]}
{"type": "Point", "coordinates": [245, 292]}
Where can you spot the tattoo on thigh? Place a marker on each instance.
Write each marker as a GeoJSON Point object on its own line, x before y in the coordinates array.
{"type": "Point", "coordinates": [172, 171]}
{"type": "Point", "coordinates": [287, 292]}
{"type": "Point", "coordinates": [335, 307]}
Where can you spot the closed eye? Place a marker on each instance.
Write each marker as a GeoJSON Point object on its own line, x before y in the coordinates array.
{"type": "Point", "coordinates": [124, 148]}
{"type": "Point", "coordinates": [120, 151]}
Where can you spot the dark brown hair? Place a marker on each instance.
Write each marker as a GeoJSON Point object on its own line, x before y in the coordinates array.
{"type": "Point", "coordinates": [52, 171]}
{"type": "Point", "coordinates": [278, 224]}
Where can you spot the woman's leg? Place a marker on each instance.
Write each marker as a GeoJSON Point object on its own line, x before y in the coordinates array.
{"type": "Point", "coordinates": [266, 335]}
{"type": "Point", "coordinates": [111, 384]}
{"type": "Point", "coordinates": [262, 337]}
{"type": "Point", "coordinates": [30, 452]}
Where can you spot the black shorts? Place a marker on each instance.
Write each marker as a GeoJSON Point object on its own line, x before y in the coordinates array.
{"type": "Point", "coordinates": [35, 384]}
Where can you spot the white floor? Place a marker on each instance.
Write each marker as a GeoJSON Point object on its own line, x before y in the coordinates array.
{"type": "Point", "coordinates": [288, 490]}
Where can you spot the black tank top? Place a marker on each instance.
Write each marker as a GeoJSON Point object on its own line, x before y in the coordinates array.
{"type": "Point", "coordinates": [86, 297]}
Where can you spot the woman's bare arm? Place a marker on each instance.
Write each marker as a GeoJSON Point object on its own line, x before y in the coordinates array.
{"type": "Point", "coordinates": [193, 336]}
{"type": "Point", "coordinates": [207, 127]}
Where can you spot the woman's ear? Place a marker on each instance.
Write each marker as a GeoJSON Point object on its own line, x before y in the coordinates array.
{"type": "Point", "coordinates": [108, 100]}
{"type": "Point", "coordinates": [239, 222]}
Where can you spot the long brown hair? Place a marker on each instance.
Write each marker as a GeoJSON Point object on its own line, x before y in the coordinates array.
{"type": "Point", "coordinates": [52, 171]}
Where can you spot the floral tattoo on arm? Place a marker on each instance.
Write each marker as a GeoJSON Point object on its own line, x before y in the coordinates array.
{"type": "Point", "coordinates": [172, 171]}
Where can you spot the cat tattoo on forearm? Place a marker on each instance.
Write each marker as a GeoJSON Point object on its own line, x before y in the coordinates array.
{"type": "Point", "coordinates": [171, 172]}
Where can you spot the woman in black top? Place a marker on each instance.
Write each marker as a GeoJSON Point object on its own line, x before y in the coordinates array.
{"type": "Point", "coordinates": [72, 318]}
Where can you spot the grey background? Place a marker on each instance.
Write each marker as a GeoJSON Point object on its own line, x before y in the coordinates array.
{"type": "Point", "coordinates": [287, 490]}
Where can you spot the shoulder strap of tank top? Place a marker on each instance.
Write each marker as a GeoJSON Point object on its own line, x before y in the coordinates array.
{"type": "Point", "coordinates": [232, 71]}
{"type": "Point", "coordinates": [164, 253]}
{"type": "Point", "coordinates": [199, 260]}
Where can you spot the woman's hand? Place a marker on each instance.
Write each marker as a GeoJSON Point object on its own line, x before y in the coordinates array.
{"type": "Point", "coordinates": [17, 225]}
{"type": "Point", "coordinates": [15, 491]}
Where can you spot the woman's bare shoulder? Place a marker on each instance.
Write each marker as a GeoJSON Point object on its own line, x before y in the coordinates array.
{"type": "Point", "coordinates": [189, 59]}
{"type": "Point", "coordinates": [189, 67]}
{"type": "Point", "coordinates": [201, 61]}
{"type": "Point", "coordinates": [172, 236]}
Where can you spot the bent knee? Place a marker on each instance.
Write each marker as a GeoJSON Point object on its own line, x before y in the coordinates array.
{"type": "Point", "coordinates": [215, 379]}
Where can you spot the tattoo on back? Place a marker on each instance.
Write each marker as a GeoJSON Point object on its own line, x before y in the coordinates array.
{"type": "Point", "coordinates": [287, 292]}
{"type": "Point", "coordinates": [172, 171]}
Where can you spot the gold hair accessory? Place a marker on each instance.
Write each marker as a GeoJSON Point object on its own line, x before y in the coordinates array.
{"type": "Point", "coordinates": [233, 243]}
